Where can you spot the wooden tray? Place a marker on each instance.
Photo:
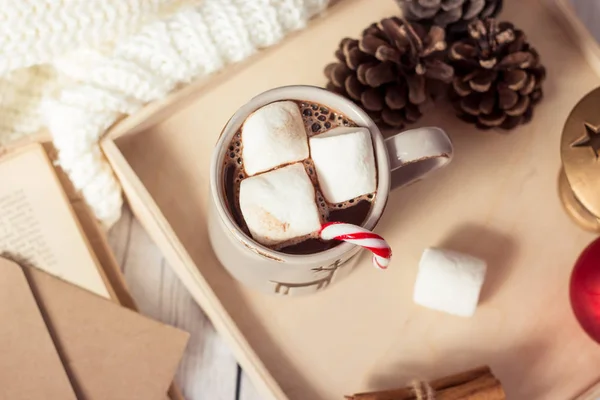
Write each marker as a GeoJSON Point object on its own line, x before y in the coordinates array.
{"type": "Point", "coordinates": [497, 200]}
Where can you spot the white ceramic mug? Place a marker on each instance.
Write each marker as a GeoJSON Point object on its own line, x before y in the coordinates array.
{"type": "Point", "coordinates": [401, 159]}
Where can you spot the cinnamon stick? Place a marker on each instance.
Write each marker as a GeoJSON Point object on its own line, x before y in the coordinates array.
{"type": "Point", "coordinates": [394, 394]}
{"type": "Point", "coordinates": [486, 387]}
{"type": "Point", "coordinates": [460, 378]}
{"type": "Point", "coordinates": [476, 384]}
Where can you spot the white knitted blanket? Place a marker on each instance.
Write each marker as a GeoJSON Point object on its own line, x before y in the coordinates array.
{"type": "Point", "coordinates": [76, 66]}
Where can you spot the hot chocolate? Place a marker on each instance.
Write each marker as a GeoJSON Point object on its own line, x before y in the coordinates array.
{"type": "Point", "coordinates": [318, 120]}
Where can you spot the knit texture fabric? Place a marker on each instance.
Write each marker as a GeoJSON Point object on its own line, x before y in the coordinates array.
{"type": "Point", "coordinates": [84, 66]}
{"type": "Point", "coordinates": [36, 34]}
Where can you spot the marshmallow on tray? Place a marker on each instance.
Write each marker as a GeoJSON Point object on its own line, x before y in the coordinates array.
{"type": "Point", "coordinates": [449, 281]}
{"type": "Point", "coordinates": [344, 162]}
{"type": "Point", "coordinates": [272, 136]}
{"type": "Point", "coordinates": [279, 205]}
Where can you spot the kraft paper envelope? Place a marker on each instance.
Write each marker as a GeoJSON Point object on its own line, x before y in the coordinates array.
{"type": "Point", "coordinates": [58, 341]}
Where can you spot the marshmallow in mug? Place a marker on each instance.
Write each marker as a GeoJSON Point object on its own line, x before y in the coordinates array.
{"type": "Point", "coordinates": [279, 205]}
{"type": "Point", "coordinates": [449, 281]}
{"type": "Point", "coordinates": [345, 163]}
{"type": "Point", "coordinates": [273, 135]}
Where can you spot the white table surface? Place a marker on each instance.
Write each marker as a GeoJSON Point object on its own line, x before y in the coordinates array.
{"type": "Point", "coordinates": [208, 370]}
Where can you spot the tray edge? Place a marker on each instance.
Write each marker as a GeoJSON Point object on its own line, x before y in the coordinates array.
{"type": "Point", "coordinates": [577, 31]}
{"type": "Point", "coordinates": [158, 228]}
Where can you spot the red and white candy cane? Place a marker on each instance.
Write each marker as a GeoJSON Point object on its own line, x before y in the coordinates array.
{"type": "Point", "coordinates": [360, 237]}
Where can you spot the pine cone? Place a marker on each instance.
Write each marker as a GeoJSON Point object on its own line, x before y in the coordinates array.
{"type": "Point", "coordinates": [498, 75]}
{"type": "Point", "coordinates": [387, 71]}
{"type": "Point", "coordinates": [453, 15]}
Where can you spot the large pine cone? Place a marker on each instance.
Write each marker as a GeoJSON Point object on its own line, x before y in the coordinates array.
{"type": "Point", "coordinates": [387, 70]}
{"type": "Point", "coordinates": [453, 15]}
{"type": "Point", "coordinates": [498, 75]}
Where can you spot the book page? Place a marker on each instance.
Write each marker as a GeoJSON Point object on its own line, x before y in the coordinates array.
{"type": "Point", "coordinates": [38, 224]}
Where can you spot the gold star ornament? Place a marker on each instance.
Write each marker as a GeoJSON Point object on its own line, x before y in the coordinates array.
{"type": "Point", "coordinates": [591, 139]}
{"type": "Point", "coordinates": [579, 183]}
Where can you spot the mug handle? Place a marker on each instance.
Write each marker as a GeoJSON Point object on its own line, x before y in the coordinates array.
{"type": "Point", "coordinates": [415, 153]}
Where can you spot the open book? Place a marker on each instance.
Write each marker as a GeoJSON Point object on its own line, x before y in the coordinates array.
{"type": "Point", "coordinates": [37, 222]}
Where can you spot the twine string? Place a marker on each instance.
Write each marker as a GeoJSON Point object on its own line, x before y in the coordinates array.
{"type": "Point", "coordinates": [422, 390]}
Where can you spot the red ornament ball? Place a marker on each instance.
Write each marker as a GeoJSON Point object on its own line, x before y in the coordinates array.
{"type": "Point", "coordinates": [585, 290]}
